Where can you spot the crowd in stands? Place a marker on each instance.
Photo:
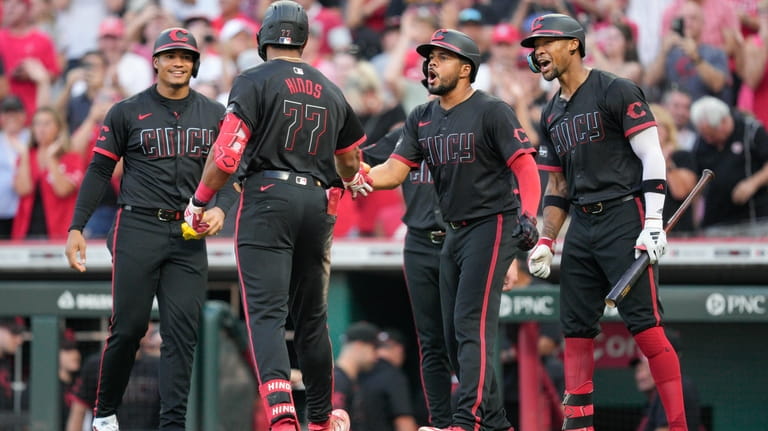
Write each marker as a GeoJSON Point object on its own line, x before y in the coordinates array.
{"type": "Point", "coordinates": [63, 63]}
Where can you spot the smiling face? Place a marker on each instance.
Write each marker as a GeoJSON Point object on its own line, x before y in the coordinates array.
{"type": "Point", "coordinates": [553, 55]}
{"type": "Point", "coordinates": [444, 71]}
{"type": "Point", "coordinates": [174, 68]}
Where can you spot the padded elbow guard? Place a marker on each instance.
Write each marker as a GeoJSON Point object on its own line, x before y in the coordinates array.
{"type": "Point", "coordinates": [231, 142]}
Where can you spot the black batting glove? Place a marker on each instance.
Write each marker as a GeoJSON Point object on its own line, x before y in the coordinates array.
{"type": "Point", "coordinates": [526, 232]}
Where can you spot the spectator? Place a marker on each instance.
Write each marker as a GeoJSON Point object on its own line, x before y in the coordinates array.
{"type": "Point", "coordinates": [127, 71]}
{"type": "Point", "coordinates": [324, 19]}
{"type": "Point", "coordinates": [688, 63]}
{"type": "Point", "coordinates": [612, 48]}
{"type": "Point", "coordinates": [238, 48]}
{"type": "Point", "coordinates": [735, 147]}
{"type": "Point", "coordinates": [528, 10]}
{"type": "Point", "coordinates": [140, 408]}
{"type": "Point", "coordinates": [718, 17]}
{"type": "Point", "coordinates": [678, 103]}
{"type": "Point", "coordinates": [11, 339]}
{"type": "Point", "coordinates": [681, 177]}
{"type": "Point", "coordinates": [28, 55]}
{"type": "Point", "coordinates": [73, 41]}
{"type": "Point", "coordinates": [230, 10]}
{"type": "Point", "coordinates": [647, 15]}
{"type": "Point", "coordinates": [75, 102]}
{"type": "Point", "coordinates": [70, 360]}
{"type": "Point", "coordinates": [472, 22]}
{"type": "Point", "coordinates": [211, 64]}
{"type": "Point", "coordinates": [186, 9]}
{"type": "Point", "coordinates": [385, 389]}
{"type": "Point", "coordinates": [47, 179]}
{"type": "Point", "coordinates": [753, 70]}
{"type": "Point", "coordinates": [654, 418]}
{"type": "Point", "coordinates": [366, 19]}
{"type": "Point", "coordinates": [358, 354]}
{"type": "Point", "coordinates": [14, 138]}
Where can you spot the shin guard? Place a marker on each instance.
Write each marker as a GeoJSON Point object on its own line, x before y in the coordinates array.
{"type": "Point", "coordinates": [278, 405]}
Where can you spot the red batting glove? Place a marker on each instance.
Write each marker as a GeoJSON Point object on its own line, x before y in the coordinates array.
{"type": "Point", "coordinates": [193, 215]}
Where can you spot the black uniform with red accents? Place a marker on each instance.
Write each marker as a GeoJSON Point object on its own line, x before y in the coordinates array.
{"type": "Point", "coordinates": [468, 150]}
{"type": "Point", "coordinates": [163, 144]}
{"type": "Point", "coordinates": [298, 121]}
{"type": "Point", "coordinates": [587, 138]}
{"type": "Point", "coordinates": [421, 267]}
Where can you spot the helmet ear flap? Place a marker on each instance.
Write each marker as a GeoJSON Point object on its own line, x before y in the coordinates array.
{"type": "Point", "coordinates": [532, 63]}
{"type": "Point", "coordinates": [196, 67]}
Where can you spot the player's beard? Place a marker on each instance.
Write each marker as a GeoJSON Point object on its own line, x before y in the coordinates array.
{"type": "Point", "coordinates": [444, 87]}
{"type": "Point", "coordinates": [553, 74]}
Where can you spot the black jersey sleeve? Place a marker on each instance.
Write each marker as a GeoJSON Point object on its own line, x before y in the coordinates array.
{"type": "Point", "coordinates": [352, 133]}
{"type": "Point", "coordinates": [379, 151]}
{"type": "Point", "coordinates": [547, 157]}
{"type": "Point", "coordinates": [628, 106]}
{"type": "Point", "coordinates": [506, 132]}
{"type": "Point", "coordinates": [244, 100]}
{"type": "Point", "coordinates": [112, 141]}
{"type": "Point", "coordinates": [407, 149]}
{"type": "Point", "coordinates": [95, 184]}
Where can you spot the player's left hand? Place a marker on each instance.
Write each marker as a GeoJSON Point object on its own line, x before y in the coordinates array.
{"type": "Point", "coordinates": [214, 218]}
{"type": "Point", "coordinates": [526, 232]}
{"type": "Point", "coordinates": [511, 277]}
{"type": "Point", "coordinates": [652, 239]}
{"type": "Point", "coordinates": [193, 215]}
{"type": "Point", "coordinates": [361, 183]}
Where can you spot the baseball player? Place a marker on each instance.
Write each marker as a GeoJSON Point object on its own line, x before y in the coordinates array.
{"type": "Point", "coordinates": [163, 136]}
{"type": "Point", "coordinates": [421, 263]}
{"type": "Point", "coordinates": [601, 148]}
{"type": "Point", "coordinates": [290, 129]}
{"type": "Point", "coordinates": [472, 144]}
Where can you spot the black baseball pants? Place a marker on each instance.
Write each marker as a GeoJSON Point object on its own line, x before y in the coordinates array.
{"type": "Point", "coordinates": [473, 264]}
{"type": "Point", "coordinates": [283, 256]}
{"type": "Point", "coordinates": [422, 276]}
{"type": "Point", "coordinates": [151, 258]}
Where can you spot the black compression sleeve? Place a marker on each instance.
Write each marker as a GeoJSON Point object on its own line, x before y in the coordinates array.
{"type": "Point", "coordinates": [226, 196]}
{"type": "Point", "coordinates": [97, 179]}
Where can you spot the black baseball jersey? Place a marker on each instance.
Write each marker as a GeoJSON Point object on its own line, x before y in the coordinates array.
{"type": "Point", "coordinates": [294, 114]}
{"type": "Point", "coordinates": [468, 150]}
{"type": "Point", "coordinates": [587, 138]}
{"type": "Point", "coordinates": [164, 144]}
{"type": "Point", "coordinates": [421, 207]}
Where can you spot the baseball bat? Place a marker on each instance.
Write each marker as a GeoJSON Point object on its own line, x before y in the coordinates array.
{"type": "Point", "coordinates": [630, 276]}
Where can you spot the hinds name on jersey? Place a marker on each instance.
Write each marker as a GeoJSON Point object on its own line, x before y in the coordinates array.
{"type": "Point", "coordinates": [304, 85]}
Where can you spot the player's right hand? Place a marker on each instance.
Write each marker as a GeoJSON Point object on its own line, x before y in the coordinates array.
{"type": "Point", "coordinates": [361, 183]}
{"type": "Point", "coordinates": [193, 215]}
{"type": "Point", "coordinates": [75, 250]}
{"type": "Point", "coordinates": [540, 258]}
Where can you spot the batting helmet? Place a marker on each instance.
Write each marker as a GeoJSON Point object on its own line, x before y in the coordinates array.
{"type": "Point", "coordinates": [556, 25]}
{"type": "Point", "coordinates": [456, 42]}
{"type": "Point", "coordinates": [284, 23]}
{"type": "Point", "coordinates": [178, 38]}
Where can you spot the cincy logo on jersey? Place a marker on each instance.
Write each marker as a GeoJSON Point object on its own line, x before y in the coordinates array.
{"type": "Point", "coordinates": [579, 129]}
{"type": "Point", "coordinates": [454, 148]}
{"type": "Point", "coordinates": [176, 141]}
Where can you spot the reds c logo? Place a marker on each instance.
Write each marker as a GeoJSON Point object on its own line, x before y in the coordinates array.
{"type": "Point", "coordinates": [174, 35]}
{"type": "Point", "coordinates": [537, 23]}
{"type": "Point", "coordinates": [521, 136]}
{"type": "Point", "coordinates": [634, 110]}
{"type": "Point", "coordinates": [439, 34]}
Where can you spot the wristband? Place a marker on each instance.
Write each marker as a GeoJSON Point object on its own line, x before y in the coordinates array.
{"type": "Point", "coordinates": [556, 201]}
{"type": "Point", "coordinates": [203, 195]}
{"type": "Point", "coordinates": [655, 186]}
{"type": "Point", "coordinates": [549, 242]}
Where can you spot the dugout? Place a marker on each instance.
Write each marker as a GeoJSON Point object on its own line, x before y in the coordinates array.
{"type": "Point", "coordinates": [715, 295]}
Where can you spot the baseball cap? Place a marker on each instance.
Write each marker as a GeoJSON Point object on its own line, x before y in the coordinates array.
{"type": "Point", "coordinates": [391, 335]}
{"type": "Point", "coordinates": [234, 27]}
{"type": "Point", "coordinates": [11, 103]}
{"type": "Point", "coordinates": [470, 16]}
{"type": "Point", "coordinates": [362, 331]}
{"type": "Point", "coordinates": [68, 341]}
{"type": "Point", "coordinates": [506, 33]}
{"type": "Point", "coordinates": [111, 26]}
{"type": "Point", "coordinates": [15, 325]}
